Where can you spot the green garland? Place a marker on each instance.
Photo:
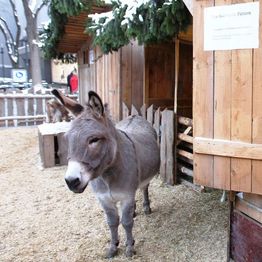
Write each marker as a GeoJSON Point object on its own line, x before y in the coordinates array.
{"type": "Point", "coordinates": [153, 22]}
{"type": "Point", "coordinates": [59, 11]}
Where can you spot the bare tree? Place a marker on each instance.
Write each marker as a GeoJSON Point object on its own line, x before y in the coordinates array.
{"type": "Point", "coordinates": [11, 42]}
{"type": "Point", "coordinates": [31, 13]}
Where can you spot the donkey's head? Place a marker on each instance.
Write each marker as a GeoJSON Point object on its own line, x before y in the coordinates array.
{"type": "Point", "coordinates": [91, 141]}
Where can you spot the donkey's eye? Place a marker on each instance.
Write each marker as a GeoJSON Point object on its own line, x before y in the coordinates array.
{"type": "Point", "coordinates": [93, 140]}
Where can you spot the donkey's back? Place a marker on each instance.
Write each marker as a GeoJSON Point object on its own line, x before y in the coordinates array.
{"type": "Point", "coordinates": [144, 139]}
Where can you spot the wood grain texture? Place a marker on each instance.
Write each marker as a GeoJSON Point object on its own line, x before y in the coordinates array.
{"type": "Point", "coordinates": [256, 183]}
{"type": "Point", "coordinates": [222, 110]}
{"type": "Point", "coordinates": [245, 238]}
{"type": "Point", "coordinates": [228, 148]}
{"type": "Point", "coordinates": [203, 63]}
{"type": "Point", "coordinates": [241, 116]}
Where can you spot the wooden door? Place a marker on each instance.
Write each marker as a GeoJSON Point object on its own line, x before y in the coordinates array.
{"type": "Point", "coordinates": [227, 111]}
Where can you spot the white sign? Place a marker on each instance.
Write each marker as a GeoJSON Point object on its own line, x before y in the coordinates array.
{"type": "Point", "coordinates": [19, 75]}
{"type": "Point", "coordinates": [231, 27]}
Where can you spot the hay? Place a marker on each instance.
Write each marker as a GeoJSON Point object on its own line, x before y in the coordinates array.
{"type": "Point", "coordinates": [41, 220]}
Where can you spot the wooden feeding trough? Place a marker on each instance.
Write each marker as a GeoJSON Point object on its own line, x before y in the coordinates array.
{"type": "Point", "coordinates": [52, 145]}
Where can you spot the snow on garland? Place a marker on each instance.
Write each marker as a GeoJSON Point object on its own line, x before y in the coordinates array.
{"type": "Point", "coordinates": [145, 20]}
{"type": "Point", "coordinates": [148, 21]}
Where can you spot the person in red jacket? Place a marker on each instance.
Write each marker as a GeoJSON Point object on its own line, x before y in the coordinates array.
{"type": "Point", "coordinates": [74, 83]}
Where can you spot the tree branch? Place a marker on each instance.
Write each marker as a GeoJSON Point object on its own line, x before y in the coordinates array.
{"type": "Point", "coordinates": [18, 31]}
{"type": "Point", "coordinates": [9, 41]}
{"type": "Point", "coordinates": [39, 8]}
{"type": "Point", "coordinates": [5, 26]}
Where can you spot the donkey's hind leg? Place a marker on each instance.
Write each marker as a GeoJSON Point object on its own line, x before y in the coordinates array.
{"type": "Point", "coordinates": [146, 203]}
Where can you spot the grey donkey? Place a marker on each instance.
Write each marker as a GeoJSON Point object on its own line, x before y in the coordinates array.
{"type": "Point", "coordinates": [114, 160]}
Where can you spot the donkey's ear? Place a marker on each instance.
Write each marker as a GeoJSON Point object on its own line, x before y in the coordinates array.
{"type": "Point", "coordinates": [68, 103]}
{"type": "Point", "coordinates": [95, 102]}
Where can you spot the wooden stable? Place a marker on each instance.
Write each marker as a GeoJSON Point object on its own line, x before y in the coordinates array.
{"type": "Point", "coordinates": [227, 106]}
{"type": "Point", "coordinates": [138, 75]}
{"type": "Point", "coordinates": [227, 113]}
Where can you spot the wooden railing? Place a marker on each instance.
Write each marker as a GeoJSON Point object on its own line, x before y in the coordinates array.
{"type": "Point", "coordinates": [18, 109]}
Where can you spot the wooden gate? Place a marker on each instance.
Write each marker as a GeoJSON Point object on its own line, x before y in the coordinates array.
{"type": "Point", "coordinates": [227, 112]}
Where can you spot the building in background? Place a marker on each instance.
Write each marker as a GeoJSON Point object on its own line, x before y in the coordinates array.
{"type": "Point", "coordinates": [6, 14]}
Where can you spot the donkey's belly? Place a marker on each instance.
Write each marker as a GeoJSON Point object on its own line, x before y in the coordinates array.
{"type": "Point", "coordinates": [145, 182]}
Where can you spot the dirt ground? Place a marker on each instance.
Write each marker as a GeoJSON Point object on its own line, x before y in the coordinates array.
{"type": "Point", "coordinates": [41, 220]}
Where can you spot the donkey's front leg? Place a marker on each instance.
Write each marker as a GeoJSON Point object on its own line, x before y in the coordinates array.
{"type": "Point", "coordinates": [128, 208]}
{"type": "Point", "coordinates": [113, 223]}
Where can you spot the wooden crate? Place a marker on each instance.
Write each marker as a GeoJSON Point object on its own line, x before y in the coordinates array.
{"type": "Point", "coordinates": [52, 144]}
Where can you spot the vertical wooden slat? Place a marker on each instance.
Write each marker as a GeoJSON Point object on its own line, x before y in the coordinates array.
{"type": "Point", "coordinates": [134, 111]}
{"type": "Point", "coordinates": [146, 76]}
{"type": "Point", "coordinates": [203, 95]}
{"type": "Point", "coordinates": [125, 111]}
{"type": "Point", "coordinates": [150, 114]}
{"type": "Point", "coordinates": [241, 115]}
{"type": "Point", "coordinates": [163, 143]}
{"type": "Point", "coordinates": [126, 73]}
{"type": "Point", "coordinates": [137, 75]}
{"type": "Point", "coordinates": [20, 103]}
{"type": "Point", "coordinates": [167, 147]}
{"type": "Point", "coordinates": [31, 108]}
{"type": "Point", "coordinates": [2, 111]}
{"type": "Point", "coordinates": [222, 111]}
{"type": "Point", "coordinates": [170, 154]}
{"type": "Point", "coordinates": [143, 110]}
{"type": "Point", "coordinates": [257, 110]}
{"type": "Point", "coordinates": [157, 123]}
{"type": "Point", "coordinates": [9, 110]}
{"type": "Point", "coordinates": [176, 73]}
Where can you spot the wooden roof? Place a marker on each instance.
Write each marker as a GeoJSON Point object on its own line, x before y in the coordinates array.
{"type": "Point", "coordinates": [74, 36]}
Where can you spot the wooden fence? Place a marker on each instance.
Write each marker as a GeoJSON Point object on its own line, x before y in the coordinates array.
{"type": "Point", "coordinates": [176, 149]}
{"type": "Point", "coordinates": [18, 109]}
{"type": "Point", "coordinates": [185, 148]}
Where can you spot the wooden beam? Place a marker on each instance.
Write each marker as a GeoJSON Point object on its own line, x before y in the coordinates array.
{"type": "Point", "coordinates": [227, 148]}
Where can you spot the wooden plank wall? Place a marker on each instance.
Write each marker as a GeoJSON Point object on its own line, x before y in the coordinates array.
{"type": "Point", "coordinates": [103, 76]}
{"type": "Point", "coordinates": [132, 74]}
{"type": "Point", "coordinates": [203, 103]}
{"type": "Point", "coordinates": [228, 106]}
{"type": "Point", "coordinates": [256, 182]}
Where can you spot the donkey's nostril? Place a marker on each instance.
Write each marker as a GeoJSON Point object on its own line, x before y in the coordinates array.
{"type": "Point", "coordinates": [73, 183]}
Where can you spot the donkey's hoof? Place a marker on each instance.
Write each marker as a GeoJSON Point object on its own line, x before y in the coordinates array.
{"type": "Point", "coordinates": [111, 252]}
{"type": "Point", "coordinates": [147, 210]}
{"type": "Point", "coordinates": [130, 251]}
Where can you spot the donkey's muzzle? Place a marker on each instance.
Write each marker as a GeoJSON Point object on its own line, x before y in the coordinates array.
{"type": "Point", "coordinates": [73, 183]}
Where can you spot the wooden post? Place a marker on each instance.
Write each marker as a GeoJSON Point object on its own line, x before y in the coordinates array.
{"type": "Point", "coordinates": [168, 159]}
